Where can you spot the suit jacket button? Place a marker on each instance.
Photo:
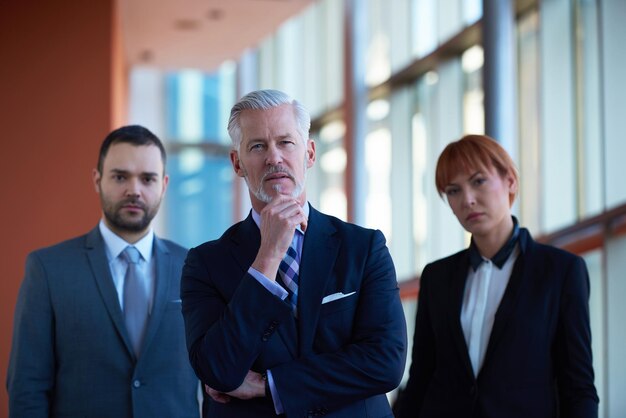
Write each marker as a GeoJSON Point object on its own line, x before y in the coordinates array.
{"type": "Point", "coordinates": [136, 384]}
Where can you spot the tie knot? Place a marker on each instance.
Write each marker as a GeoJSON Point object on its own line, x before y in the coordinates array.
{"type": "Point", "coordinates": [131, 255]}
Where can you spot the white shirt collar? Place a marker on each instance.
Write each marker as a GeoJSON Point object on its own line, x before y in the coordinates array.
{"type": "Point", "coordinates": [115, 244]}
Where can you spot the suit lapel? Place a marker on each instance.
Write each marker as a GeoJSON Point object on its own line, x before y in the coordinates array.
{"type": "Point", "coordinates": [319, 253]}
{"type": "Point", "coordinates": [519, 276]}
{"type": "Point", "coordinates": [96, 254]}
{"type": "Point", "coordinates": [460, 267]}
{"type": "Point", "coordinates": [245, 246]}
{"type": "Point", "coordinates": [163, 272]}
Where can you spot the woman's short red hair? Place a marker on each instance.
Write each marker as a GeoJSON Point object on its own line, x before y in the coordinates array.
{"type": "Point", "coordinates": [471, 153]}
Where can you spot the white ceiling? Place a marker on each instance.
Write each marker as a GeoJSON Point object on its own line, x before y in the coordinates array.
{"type": "Point", "coordinates": [174, 34]}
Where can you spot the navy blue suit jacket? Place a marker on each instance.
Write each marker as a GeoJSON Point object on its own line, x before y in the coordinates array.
{"type": "Point", "coordinates": [538, 361]}
{"type": "Point", "coordinates": [71, 355]}
{"type": "Point", "coordinates": [337, 359]}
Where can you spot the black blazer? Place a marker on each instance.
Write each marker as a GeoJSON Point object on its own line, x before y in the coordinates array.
{"type": "Point", "coordinates": [538, 359]}
{"type": "Point", "coordinates": [339, 357]}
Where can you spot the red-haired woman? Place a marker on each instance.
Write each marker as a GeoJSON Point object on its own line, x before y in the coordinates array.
{"type": "Point", "coordinates": [502, 327]}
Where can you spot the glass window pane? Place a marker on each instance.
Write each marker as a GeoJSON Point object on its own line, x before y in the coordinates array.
{"type": "Point", "coordinates": [614, 107]}
{"type": "Point", "coordinates": [198, 104]}
{"type": "Point", "coordinates": [398, 27]}
{"type": "Point", "coordinates": [199, 203]}
{"type": "Point", "coordinates": [473, 106]}
{"type": "Point", "coordinates": [449, 19]}
{"type": "Point", "coordinates": [326, 181]}
{"type": "Point", "coordinates": [378, 167]}
{"type": "Point", "coordinates": [289, 66]}
{"type": "Point", "coordinates": [402, 247]}
{"type": "Point", "coordinates": [378, 55]}
{"type": "Point", "coordinates": [528, 73]}
{"type": "Point", "coordinates": [333, 53]}
{"type": "Point", "coordinates": [436, 122]}
{"type": "Point", "coordinates": [472, 11]}
{"type": "Point", "coordinates": [558, 140]}
{"type": "Point", "coordinates": [589, 124]}
{"type": "Point", "coordinates": [424, 27]}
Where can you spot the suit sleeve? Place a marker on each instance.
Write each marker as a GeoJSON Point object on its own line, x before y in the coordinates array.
{"type": "Point", "coordinates": [410, 399]}
{"type": "Point", "coordinates": [574, 368]}
{"type": "Point", "coordinates": [31, 372]}
{"type": "Point", "coordinates": [373, 361]}
{"type": "Point", "coordinates": [224, 337]}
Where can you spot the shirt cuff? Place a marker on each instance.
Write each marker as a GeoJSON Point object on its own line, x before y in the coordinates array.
{"type": "Point", "coordinates": [273, 287]}
{"type": "Point", "coordinates": [278, 406]}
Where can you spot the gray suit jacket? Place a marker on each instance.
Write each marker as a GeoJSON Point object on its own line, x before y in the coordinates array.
{"type": "Point", "coordinates": [71, 355]}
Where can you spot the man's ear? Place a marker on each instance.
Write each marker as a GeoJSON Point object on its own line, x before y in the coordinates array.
{"type": "Point", "coordinates": [96, 178]}
{"type": "Point", "coordinates": [166, 180]}
{"type": "Point", "coordinates": [234, 160]}
{"type": "Point", "coordinates": [310, 153]}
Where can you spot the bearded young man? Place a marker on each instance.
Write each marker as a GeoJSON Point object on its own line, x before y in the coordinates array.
{"type": "Point", "coordinates": [98, 327]}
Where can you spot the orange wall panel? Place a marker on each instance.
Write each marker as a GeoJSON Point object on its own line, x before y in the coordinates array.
{"type": "Point", "coordinates": [55, 108]}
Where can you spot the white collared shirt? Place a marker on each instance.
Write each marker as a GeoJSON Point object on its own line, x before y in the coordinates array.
{"type": "Point", "coordinates": [114, 245]}
{"type": "Point", "coordinates": [496, 280]}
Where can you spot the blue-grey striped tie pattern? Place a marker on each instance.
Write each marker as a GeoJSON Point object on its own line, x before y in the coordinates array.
{"type": "Point", "coordinates": [288, 272]}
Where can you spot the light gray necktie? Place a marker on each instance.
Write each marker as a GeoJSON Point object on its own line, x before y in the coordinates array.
{"type": "Point", "coordinates": [135, 299]}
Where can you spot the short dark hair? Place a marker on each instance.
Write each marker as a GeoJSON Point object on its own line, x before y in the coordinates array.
{"type": "Point", "coordinates": [131, 134]}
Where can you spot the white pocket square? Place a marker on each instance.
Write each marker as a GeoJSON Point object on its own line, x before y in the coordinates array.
{"type": "Point", "coordinates": [335, 296]}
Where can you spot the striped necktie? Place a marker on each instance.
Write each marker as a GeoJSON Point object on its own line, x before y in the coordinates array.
{"type": "Point", "coordinates": [288, 273]}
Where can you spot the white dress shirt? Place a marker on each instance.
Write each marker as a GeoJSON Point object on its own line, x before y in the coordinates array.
{"type": "Point", "coordinates": [485, 285]}
{"type": "Point", "coordinates": [484, 289]}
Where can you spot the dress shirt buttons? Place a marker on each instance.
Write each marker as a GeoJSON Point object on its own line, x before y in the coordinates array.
{"type": "Point", "coordinates": [136, 384]}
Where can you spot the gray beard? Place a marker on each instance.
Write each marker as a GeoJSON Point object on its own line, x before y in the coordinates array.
{"type": "Point", "coordinates": [260, 193]}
